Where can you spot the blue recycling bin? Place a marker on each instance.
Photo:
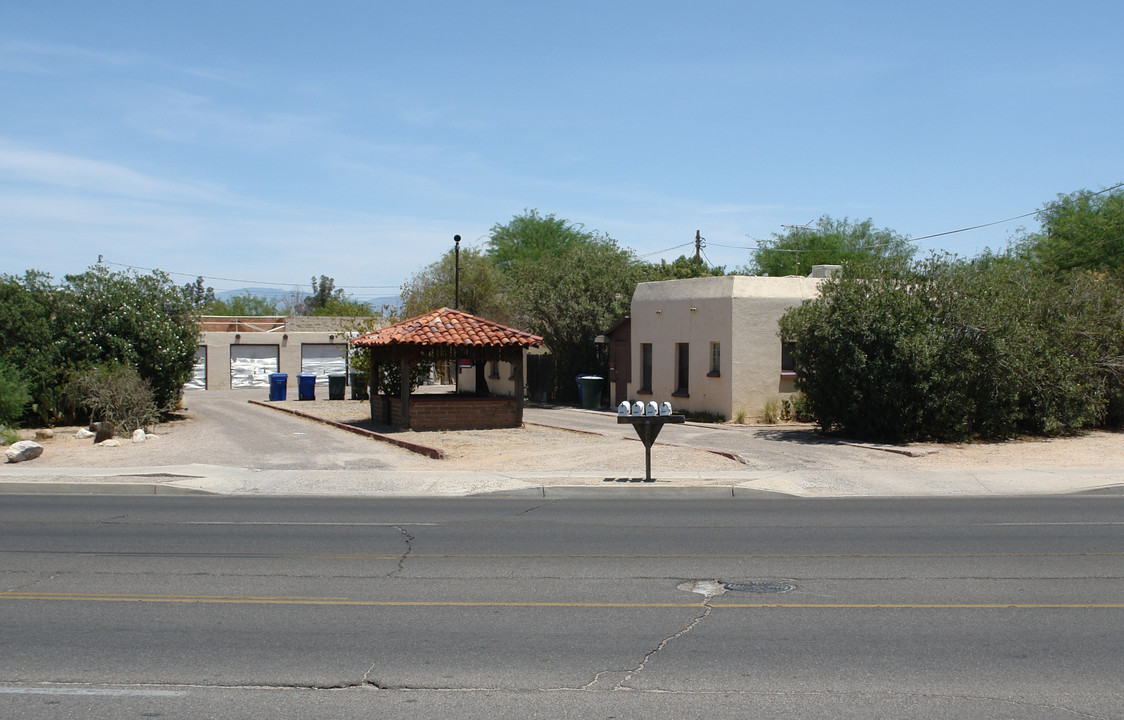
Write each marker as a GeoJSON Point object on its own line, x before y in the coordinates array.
{"type": "Point", "coordinates": [278, 382]}
{"type": "Point", "coordinates": [306, 386]}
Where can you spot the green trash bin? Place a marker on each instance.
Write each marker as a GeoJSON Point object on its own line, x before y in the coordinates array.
{"type": "Point", "coordinates": [359, 386]}
{"type": "Point", "coordinates": [591, 391]}
{"type": "Point", "coordinates": [336, 385]}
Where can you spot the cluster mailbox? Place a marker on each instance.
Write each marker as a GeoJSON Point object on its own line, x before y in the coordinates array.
{"type": "Point", "coordinates": [639, 409]}
{"type": "Point", "coordinates": [648, 419]}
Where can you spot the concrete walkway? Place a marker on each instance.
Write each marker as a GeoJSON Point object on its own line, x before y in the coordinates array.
{"type": "Point", "coordinates": [225, 450]}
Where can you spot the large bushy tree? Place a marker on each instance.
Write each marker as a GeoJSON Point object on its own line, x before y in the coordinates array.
{"type": "Point", "coordinates": [481, 287]}
{"type": "Point", "coordinates": [143, 321]}
{"type": "Point", "coordinates": [845, 242]}
{"type": "Point", "coordinates": [97, 318]}
{"type": "Point", "coordinates": [1082, 230]}
{"type": "Point", "coordinates": [28, 307]}
{"type": "Point", "coordinates": [530, 236]}
{"type": "Point", "coordinates": [571, 296]}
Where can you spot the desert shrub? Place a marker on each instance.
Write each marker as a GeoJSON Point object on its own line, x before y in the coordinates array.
{"type": "Point", "coordinates": [116, 394]}
{"type": "Point", "coordinates": [770, 414]}
{"type": "Point", "coordinates": [8, 436]}
{"type": "Point", "coordinates": [951, 350]}
{"type": "Point", "coordinates": [14, 395]}
{"type": "Point", "coordinates": [703, 416]}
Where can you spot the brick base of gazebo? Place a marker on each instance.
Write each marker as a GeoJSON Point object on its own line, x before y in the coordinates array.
{"type": "Point", "coordinates": [448, 412]}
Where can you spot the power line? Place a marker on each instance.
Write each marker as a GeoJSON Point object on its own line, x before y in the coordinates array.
{"type": "Point", "coordinates": [934, 235]}
{"type": "Point", "coordinates": [245, 282]}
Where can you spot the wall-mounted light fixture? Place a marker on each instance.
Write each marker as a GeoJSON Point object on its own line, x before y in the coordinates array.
{"type": "Point", "coordinates": [659, 312]}
{"type": "Point", "coordinates": [694, 309]}
{"type": "Point", "coordinates": [237, 338]}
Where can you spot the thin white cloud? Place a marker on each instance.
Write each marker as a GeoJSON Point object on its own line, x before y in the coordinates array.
{"type": "Point", "coordinates": [98, 177]}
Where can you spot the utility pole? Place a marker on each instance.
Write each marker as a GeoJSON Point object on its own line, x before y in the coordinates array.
{"type": "Point", "coordinates": [797, 229]}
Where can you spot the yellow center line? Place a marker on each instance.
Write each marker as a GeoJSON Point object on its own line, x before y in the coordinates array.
{"type": "Point", "coordinates": [496, 556]}
{"type": "Point", "coordinates": [349, 602]}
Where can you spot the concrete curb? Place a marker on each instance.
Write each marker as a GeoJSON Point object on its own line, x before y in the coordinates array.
{"type": "Point", "coordinates": [9, 487]}
{"type": "Point", "coordinates": [638, 490]}
{"type": "Point", "coordinates": [426, 450]}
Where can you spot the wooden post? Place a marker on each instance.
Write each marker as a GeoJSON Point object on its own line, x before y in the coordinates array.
{"type": "Point", "coordinates": [372, 382]}
{"type": "Point", "coordinates": [404, 370]}
{"type": "Point", "coordinates": [517, 367]}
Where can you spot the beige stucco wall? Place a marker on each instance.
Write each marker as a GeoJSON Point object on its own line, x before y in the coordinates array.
{"type": "Point", "coordinates": [288, 335]}
{"type": "Point", "coordinates": [288, 346]}
{"type": "Point", "coordinates": [741, 314]}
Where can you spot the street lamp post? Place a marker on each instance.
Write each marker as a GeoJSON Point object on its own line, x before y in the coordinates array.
{"type": "Point", "coordinates": [457, 275]}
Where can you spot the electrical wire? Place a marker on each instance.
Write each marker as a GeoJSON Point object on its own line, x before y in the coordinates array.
{"type": "Point", "coordinates": [245, 282]}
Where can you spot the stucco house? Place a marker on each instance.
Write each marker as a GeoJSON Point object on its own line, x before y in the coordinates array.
{"type": "Point", "coordinates": [708, 344]}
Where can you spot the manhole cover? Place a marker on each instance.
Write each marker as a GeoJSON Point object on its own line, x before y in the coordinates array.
{"type": "Point", "coordinates": [763, 586]}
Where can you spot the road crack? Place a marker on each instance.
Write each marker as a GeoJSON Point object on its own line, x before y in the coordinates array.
{"type": "Point", "coordinates": [707, 609]}
{"type": "Point", "coordinates": [409, 549]}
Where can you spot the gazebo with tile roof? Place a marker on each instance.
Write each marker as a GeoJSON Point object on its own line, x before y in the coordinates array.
{"type": "Point", "coordinates": [447, 334]}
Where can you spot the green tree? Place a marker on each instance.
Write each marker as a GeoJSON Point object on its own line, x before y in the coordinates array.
{"type": "Point", "coordinates": [28, 306]}
{"type": "Point", "coordinates": [955, 349]}
{"type": "Point", "coordinates": [245, 305]}
{"type": "Point", "coordinates": [530, 236]}
{"type": "Point", "coordinates": [324, 291]}
{"type": "Point", "coordinates": [344, 306]}
{"type": "Point", "coordinates": [14, 396]}
{"type": "Point", "coordinates": [571, 296]}
{"type": "Point", "coordinates": [434, 286]}
{"type": "Point", "coordinates": [829, 242]}
{"type": "Point", "coordinates": [142, 321]}
{"type": "Point", "coordinates": [199, 295]}
{"type": "Point", "coordinates": [1083, 230]}
{"type": "Point", "coordinates": [679, 269]}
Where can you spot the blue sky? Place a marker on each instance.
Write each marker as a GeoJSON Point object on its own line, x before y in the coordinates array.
{"type": "Point", "coordinates": [274, 141]}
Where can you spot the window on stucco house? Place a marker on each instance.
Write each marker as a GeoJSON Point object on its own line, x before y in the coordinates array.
{"type": "Point", "coordinates": [645, 369]}
{"type": "Point", "coordinates": [788, 364]}
{"type": "Point", "coordinates": [682, 370]}
{"type": "Point", "coordinates": [715, 360]}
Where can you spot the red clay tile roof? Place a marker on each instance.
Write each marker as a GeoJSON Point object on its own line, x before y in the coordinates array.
{"type": "Point", "coordinates": [448, 327]}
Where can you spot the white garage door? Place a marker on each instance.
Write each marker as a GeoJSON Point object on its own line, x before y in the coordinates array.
{"type": "Point", "coordinates": [251, 365]}
{"type": "Point", "coordinates": [323, 360]}
{"type": "Point", "coordinates": [198, 379]}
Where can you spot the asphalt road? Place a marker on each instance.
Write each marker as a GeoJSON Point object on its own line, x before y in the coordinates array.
{"type": "Point", "coordinates": [117, 607]}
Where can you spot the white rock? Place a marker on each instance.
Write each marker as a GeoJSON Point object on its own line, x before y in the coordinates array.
{"type": "Point", "coordinates": [150, 436]}
{"type": "Point", "coordinates": [23, 450]}
{"type": "Point", "coordinates": [112, 442]}
{"type": "Point", "coordinates": [83, 434]}
{"type": "Point", "coordinates": [138, 435]}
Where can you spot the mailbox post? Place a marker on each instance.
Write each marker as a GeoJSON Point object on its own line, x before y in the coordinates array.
{"type": "Point", "coordinates": [648, 427]}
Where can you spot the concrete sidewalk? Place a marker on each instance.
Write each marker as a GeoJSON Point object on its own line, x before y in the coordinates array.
{"type": "Point", "coordinates": [774, 463]}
